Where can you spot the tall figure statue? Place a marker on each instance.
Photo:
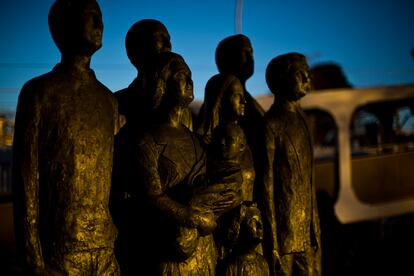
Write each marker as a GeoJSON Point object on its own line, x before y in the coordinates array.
{"type": "Point", "coordinates": [291, 216]}
{"type": "Point", "coordinates": [62, 155]}
{"type": "Point", "coordinates": [234, 56]}
{"type": "Point", "coordinates": [145, 41]}
{"type": "Point", "coordinates": [168, 167]}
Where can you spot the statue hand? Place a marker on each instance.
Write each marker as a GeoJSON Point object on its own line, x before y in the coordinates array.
{"type": "Point", "coordinates": [228, 200]}
{"type": "Point", "coordinates": [204, 221]}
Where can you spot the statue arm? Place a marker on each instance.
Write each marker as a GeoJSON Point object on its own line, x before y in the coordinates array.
{"type": "Point", "coordinates": [119, 119]}
{"type": "Point", "coordinates": [315, 211]}
{"type": "Point", "coordinates": [268, 195]}
{"type": "Point", "coordinates": [26, 179]}
{"type": "Point", "coordinates": [157, 196]}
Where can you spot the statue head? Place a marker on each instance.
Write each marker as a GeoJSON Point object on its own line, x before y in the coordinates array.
{"type": "Point", "coordinates": [145, 40]}
{"type": "Point", "coordinates": [288, 76]}
{"type": "Point", "coordinates": [172, 83]}
{"type": "Point", "coordinates": [234, 55]}
{"type": "Point", "coordinates": [76, 26]}
{"type": "Point", "coordinates": [246, 228]}
{"type": "Point", "coordinates": [223, 101]}
{"type": "Point", "coordinates": [228, 142]}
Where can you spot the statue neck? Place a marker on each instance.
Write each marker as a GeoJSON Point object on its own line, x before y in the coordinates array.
{"type": "Point", "coordinates": [290, 105]}
{"type": "Point", "coordinates": [173, 117]}
{"type": "Point", "coordinates": [247, 250]}
{"type": "Point", "coordinates": [77, 63]}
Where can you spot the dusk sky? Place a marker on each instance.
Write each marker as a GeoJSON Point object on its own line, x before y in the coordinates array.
{"type": "Point", "coordinates": [370, 39]}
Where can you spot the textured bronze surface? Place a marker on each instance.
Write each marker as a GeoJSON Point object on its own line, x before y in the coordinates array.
{"type": "Point", "coordinates": [234, 56]}
{"type": "Point", "coordinates": [168, 186]}
{"type": "Point", "coordinates": [224, 104]}
{"type": "Point", "coordinates": [63, 143]}
{"type": "Point", "coordinates": [290, 208]}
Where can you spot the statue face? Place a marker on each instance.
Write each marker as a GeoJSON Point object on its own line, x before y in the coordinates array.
{"type": "Point", "coordinates": [159, 42]}
{"type": "Point", "coordinates": [231, 144]}
{"type": "Point", "coordinates": [145, 40]}
{"type": "Point", "coordinates": [93, 26]}
{"type": "Point", "coordinates": [244, 64]}
{"type": "Point", "coordinates": [300, 81]}
{"type": "Point", "coordinates": [90, 27]}
{"type": "Point", "coordinates": [254, 227]}
{"type": "Point", "coordinates": [181, 85]}
{"type": "Point", "coordinates": [235, 100]}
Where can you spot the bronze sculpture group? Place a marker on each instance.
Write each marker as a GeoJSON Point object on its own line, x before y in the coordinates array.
{"type": "Point", "coordinates": [110, 184]}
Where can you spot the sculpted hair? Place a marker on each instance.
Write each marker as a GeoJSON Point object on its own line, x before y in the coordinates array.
{"type": "Point", "coordinates": [213, 100]}
{"type": "Point", "coordinates": [278, 70]}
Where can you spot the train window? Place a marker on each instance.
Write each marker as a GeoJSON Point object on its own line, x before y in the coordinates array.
{"type": "Point", "coordinates": [381, 128]}
{"type": "Point", "coordinates": [382, 141]}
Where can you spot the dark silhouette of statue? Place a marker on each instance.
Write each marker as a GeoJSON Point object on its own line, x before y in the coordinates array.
{"type": "Point", "coordinates": [328, 76]}
{"type": "Point", "coordinates": [244, 234]}
{"type": "Point", "coordinates": [234, 56]}
{"type": "Point", "coordinates": [168, 168]}
{"type": "Point", "coordinates": [290, 207]}
{"type": "Point", "coordinates": [63, 147]}
{"type": "Point", "coordinates": [145, 40]}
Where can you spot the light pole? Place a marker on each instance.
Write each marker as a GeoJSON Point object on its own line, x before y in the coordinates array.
{"type": "Point", "coordinates": [239, 16]}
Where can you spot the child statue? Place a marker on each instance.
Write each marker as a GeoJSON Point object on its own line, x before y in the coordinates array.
{"type": "Point", "coordinates": [245, 233]}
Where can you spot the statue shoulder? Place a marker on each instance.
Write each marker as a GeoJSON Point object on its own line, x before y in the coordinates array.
{"type": "Point", "coordinates": [37, 86]}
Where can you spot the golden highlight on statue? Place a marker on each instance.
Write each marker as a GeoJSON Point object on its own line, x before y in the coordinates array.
{"type": "Point", "coordinates": [62, 155]}
{"type": "Point", "coordinates": [290, 208]}
{"type": "Point", "coordinates": [182, 201]}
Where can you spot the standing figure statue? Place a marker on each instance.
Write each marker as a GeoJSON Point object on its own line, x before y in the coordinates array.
{"type": "Point", "coordinates": [290, 207]}
{"type": "Point", "coordinates": [144, 42]}
{"type": "Point", "coordinates": [62, 155]}
{"type": "Point", "coordinates": [234, 56]}
{"type": "Point", "coordinates": [168, 167]}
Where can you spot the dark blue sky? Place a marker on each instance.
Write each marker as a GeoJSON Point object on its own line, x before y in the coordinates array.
{"type": "Point", "coordinates": [370, 39]}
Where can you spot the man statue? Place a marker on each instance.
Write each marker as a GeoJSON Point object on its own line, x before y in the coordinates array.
{"type": "Point", "coordinates": [63, 147]}
{"type": "Point", "coordinates": [144, 42]}
{"type": "Point", "coordinates": [290, 209]}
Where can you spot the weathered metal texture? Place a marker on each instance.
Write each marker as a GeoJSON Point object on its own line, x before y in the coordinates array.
{"type": "Point", "coordinates": [291, 217]}
{"type": "Point", "coordinates": [63, 146]}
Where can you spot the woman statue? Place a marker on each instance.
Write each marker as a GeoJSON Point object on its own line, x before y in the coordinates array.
{"type": "Point", "coordinates": [168, 167]}
{"type": "Point", "coordinates": [224, 103]}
